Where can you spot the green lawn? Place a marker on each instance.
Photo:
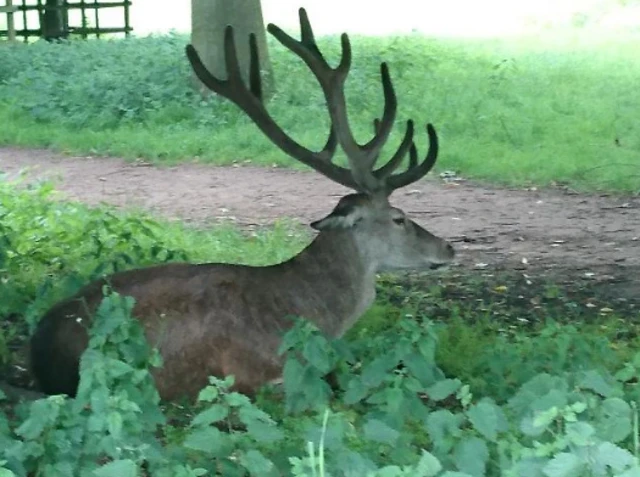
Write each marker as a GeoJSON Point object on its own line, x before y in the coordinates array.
{"type": "Point", "coordinates": [514, 111]}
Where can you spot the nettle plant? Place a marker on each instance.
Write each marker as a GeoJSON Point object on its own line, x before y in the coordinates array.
{"type": "Point", "coordinates": [390, 412]}
{"type": "Point", "coordinates": [66, 243]}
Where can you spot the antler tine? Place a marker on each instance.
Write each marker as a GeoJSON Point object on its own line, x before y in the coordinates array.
{"type": "Point", "coordinates": [250, 100]}
{"type": "Point", "coordinates": [416, 171]}
{"type": "Point", "coordinates": [411, 174]}
{"type": "Point", "coordinates": [393, 163]}
{"type": "Point", "coordinates": [362, 158]}
{"type": "Point", "coordinates": [255, 81]}
{"type": "Point", "coordinates": [413, 156]}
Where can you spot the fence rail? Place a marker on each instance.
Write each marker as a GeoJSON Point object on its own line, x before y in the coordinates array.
{"type": "Point", "coordinates": [54, 19]}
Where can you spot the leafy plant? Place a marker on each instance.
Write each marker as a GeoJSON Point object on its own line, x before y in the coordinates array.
{"type": "Point", "coordinates": [134, 98]}
{"type": "Point", "coordinates": [554, 402]}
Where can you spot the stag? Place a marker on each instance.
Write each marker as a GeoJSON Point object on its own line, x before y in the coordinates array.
{"type": "Point", "coordinates": [218, 319]}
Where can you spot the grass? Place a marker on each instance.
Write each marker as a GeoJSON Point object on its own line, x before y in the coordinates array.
{"type": "Point", "coordinates": [519, 111]}
{"type": "Point", "coordinates": [462, 329]}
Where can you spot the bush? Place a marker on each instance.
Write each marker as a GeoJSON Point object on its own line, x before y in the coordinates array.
{"type": "Point", "coordinates": [558, 404]}
{"type": "Point", "coordinates": [49, 248]}
{"type": "Point", "coordinates": [392, 407]}
{"type": "Point", "coordinates": [513, 111]}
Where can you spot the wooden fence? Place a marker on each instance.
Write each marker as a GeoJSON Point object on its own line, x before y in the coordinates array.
{"type": "Point", "coordinates": [51, 19]}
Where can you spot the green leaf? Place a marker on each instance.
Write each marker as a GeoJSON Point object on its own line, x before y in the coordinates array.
{"type": "Point", "coordinates": [557, 398]}
{"type": "Point", "coordinates": [117, 368]}
{"type": "Point", "coordinates": [535, 424]}
{"type": "Point", "coordinates": [208, 394]}
{"type": "Point", "coordinates": [377, 370]}
{"type": "Point", "coordinates": [546, 417]}
{"type": "Point", "coordinates": [425, 371]}
{"type": "Point", "coordinates": [428, 465]}
{"type": "Point", "coordinates": [114, 424]}
{"type": "Point", "coordinates": [427, 349]}
{"type": "Point", "coordinates": [354, 464]}
{"type": "Point", "coordinates": [627, 373]}
{"type": "Point", "coordinates": [528, 467]}
{"type": "Point", "coordinates": [42, 413]}
{"type": "Point", "coordinates": [614, 421]}
{"type": "Point", "coordinates": [235, 399]}
{"type": "Point", "coordinates": [209, 440]}
{"type": "Point", "coordinates": [487, 418]}
{"type": "Point", "coordinates": [444, 428]}
{"type": "Point", "coordinates": [356, 391]}
{"type": "Point", "coordinates": [387, 471]}
{"type": "Point", "coordinates": [611, 456]}
{"type": "Point", "coordinates": [306, 389]}
{"type": "Point", "coordinates": [214, 413]}
{"type": "Point", "coordinates": [292, 374]}
{"type": "Point", "coordinates": [630, 473]}
{"type": "Point", "coordinates": [580, 433]}
{"type": "Point", "coordinates": [378, 431]}
{"type": "Point", "coordinates": [264, 432]}
{"type": "Point", "coordinates": [117, 468]}
{"type": "Point", "coordinates": [596, 382]}
{"type": "Point", "coordinates": [256, 463]}
{"type": "Point", "coordinates": [318, 353]}
{"type": "Point", "coordinates": [471, 456]}
{"type": "Point", "coordinates": [538, 386]}
{"type": "Point", "coordinates": [443, 389]}
{"type": "Point", "coordinates": [565, 465]}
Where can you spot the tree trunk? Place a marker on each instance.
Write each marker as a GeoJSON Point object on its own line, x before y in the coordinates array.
{"type": "Point", "coordinates": [52, 22]}
{"type": "Point", "coordinates": [209, 18]}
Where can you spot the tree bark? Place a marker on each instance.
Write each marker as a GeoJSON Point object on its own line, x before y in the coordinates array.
{"type": "Point", "coordinates": [209, 18]}
{"type": "Point", "coordinates": [52, 22]}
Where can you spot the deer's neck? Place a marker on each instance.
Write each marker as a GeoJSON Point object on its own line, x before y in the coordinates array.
{"type": "Point", "coordinates": [334, 271]}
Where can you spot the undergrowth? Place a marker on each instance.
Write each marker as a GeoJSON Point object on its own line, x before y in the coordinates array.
{"type": "Point", "coordinates": [413, 394]}
{"type": "Point", "coordinates": [49, 247]}
{"type": "Point", "coordinates": [517, 111]}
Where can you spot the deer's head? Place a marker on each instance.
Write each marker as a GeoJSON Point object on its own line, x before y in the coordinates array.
{"type": "Point", "coordinates": [383, 233]}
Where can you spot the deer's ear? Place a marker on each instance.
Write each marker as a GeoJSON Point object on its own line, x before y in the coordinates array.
{"type": "Point", "coordinates": [340, 219]}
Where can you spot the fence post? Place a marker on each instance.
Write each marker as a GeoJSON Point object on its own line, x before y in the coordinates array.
{"type": "Point", "coordinates": [9, 10]}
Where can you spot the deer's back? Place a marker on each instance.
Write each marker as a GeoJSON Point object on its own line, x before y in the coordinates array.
{"type": "Point", "coordinates": [205, 319]}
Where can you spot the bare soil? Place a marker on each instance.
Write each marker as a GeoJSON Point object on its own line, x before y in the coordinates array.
{"type": "Point", "coordinates": [559, 234]}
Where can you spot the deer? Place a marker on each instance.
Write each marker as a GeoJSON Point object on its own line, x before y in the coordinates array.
{"type": "Point", "coordinates": [221, 319]}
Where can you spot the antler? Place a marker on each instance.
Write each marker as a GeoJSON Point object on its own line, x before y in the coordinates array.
{"type": "Point", "coordinates": [362, 157]}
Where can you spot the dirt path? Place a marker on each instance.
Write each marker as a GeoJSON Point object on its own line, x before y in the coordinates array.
{"type": "Point", "coordinates": [593, 237]}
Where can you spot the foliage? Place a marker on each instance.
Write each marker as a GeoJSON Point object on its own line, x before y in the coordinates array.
{"type": "Point", "coordinates": [50, 247]}
{"type": "Point", "coordinates": [394, 414]}
{"type": "Point", "coordinates": [560, 108]}
{"type": "Point", "coordinates": [386, 400]}
{"type": "Point", "coordinates": [113, 417]}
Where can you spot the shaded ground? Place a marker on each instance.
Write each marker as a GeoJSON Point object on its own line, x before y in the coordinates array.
{"type": "Point", "coordinates": [588, 241]}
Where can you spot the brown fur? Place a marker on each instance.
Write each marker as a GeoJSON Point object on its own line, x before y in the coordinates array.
{"type": "Point", "coordinates": [222, 319]}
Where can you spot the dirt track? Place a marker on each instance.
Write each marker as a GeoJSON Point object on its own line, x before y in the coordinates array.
{"type": "Point", "coordinates": [594, 237]}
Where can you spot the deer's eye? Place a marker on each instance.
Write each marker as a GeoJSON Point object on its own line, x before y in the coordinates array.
{"type": "Point", "coordinates": [399, 220]}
